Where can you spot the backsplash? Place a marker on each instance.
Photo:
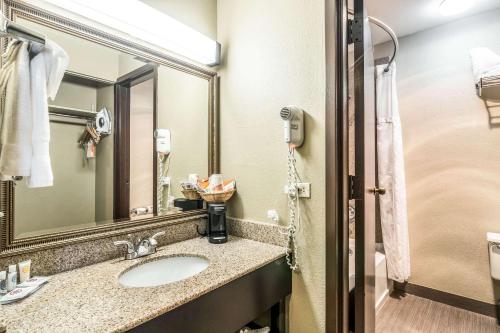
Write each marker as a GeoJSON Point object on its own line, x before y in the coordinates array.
{"type": "Point", "coordinates": [68, 257]}
{"type": "Point", "coordinates": [259, 231]}
{"type": "Point", "coordinates": [85, 253]}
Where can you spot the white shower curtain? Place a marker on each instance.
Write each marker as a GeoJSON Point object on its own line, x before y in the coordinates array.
{"type": "Point", "coordinates": [391, 176]}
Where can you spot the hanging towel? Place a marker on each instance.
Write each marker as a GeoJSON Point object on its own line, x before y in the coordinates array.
{"type": "Point", "coordinates": [391, 176]}
{"type": "Point", "coordinates": [47, 70]}
{"type": "Point", "coordinates": [16, 116]}
{"type": "Point", "coordinates": [485, 62]}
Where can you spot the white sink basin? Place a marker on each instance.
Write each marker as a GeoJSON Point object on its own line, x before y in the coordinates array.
{"type": "Point", "coordinates": [163, 271]}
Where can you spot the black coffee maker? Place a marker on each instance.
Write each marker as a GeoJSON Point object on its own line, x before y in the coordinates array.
{"type": "Point", "coordinates": [216, 228]}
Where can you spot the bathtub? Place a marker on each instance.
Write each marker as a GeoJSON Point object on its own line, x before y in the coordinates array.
{"type": "Point", "coordinates": [383, 285]}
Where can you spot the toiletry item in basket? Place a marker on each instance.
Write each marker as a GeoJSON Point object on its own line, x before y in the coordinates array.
{"type": "Point", "coordinates": [229, 185]}
{"type": "Point", "coordinates": [24, 270]}
{"type": "Point", "coordinates": [23, 290]}
{"type": "Point", "coordinates": [3, 283]}
{"type": "Point", "coordinates": [11, 277]}
{"type": "Point", "coordinates": [193, 178]}
{"type": "Point", "coordinates": [215, 183]}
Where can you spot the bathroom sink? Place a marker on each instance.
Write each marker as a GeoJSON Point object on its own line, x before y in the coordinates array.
{"type": "Point", "coordinates": [163, 271]}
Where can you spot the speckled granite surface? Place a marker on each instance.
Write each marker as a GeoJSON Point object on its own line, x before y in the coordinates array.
{"type": "Point", "coordinates": [84, 253]}
{"type": "Point", "coordinates": [90, 299]}
{"type": "Point", "coordinates": [259, 231]}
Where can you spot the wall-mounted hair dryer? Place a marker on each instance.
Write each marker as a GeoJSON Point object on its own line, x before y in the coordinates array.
{"type": "Point", "coordinates": [294, 125]}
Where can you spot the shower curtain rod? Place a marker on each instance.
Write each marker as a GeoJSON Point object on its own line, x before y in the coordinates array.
{"type": "Point", "coordinates": [389, 31]}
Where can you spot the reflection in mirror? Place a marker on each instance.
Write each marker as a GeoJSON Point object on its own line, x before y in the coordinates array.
{"type": "Point", "coordinates": [107, 164]}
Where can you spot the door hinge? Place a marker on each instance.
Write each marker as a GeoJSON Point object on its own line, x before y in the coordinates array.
{"type": "Point", "coordinates": [354, 31]}
{"type": "Point", "coordinates": [354, 188]}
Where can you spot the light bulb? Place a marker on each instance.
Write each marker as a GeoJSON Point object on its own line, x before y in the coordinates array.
{"type": "Point", "coordinates": [143, 22]}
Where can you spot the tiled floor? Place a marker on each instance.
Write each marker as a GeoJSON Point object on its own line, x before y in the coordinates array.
{"type": "Point", "coordinates": [414, 314]}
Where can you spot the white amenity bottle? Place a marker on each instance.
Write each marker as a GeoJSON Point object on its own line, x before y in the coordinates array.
{"type": "Point", "coordinates": [12, 278]}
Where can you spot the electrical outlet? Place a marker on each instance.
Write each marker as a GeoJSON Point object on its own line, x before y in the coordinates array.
{"type": "Point", "coordinates": [165, 181]}
{"type": "Point", "coordinates": [304, 190]}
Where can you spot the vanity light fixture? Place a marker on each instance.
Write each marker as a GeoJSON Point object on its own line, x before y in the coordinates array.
{"type": "Point", "coordinates": [141, 21]}
{"type": "Point", "coordinates": [454, 7]}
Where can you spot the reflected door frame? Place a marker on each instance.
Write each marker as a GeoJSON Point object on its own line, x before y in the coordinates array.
{"type": "Point", "coordinates": [121, 160]}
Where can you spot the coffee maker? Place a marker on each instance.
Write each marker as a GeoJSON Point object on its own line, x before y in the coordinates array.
{"type": "Point", "coordinates": [216, 228]}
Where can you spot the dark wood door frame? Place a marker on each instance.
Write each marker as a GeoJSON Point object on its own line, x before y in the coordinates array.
{"type": "Point", "coordinates": [121, 160]}
{"type": "Point", "coordinates": [364, 127]}
{"type": "Point", "coordinates": [337, 168]}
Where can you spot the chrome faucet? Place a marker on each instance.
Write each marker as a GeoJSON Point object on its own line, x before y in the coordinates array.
{"type": "Point", "coordinates": [144, 247]}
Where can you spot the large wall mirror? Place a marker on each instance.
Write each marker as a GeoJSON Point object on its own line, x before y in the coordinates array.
{"type": "Point", "coordinates": [136, 97]}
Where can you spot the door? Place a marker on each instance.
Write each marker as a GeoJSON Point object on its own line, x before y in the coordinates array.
{"type": "Point", "coordinates": [126, 122]}
{"type": "Point", "coordinates": [364, 167]}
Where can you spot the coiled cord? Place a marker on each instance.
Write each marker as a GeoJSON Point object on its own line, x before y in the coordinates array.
{"type": "Point", "coordinates": [292, 249]}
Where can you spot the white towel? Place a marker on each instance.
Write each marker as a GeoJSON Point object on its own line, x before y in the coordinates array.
{"type": "Point", "coordinates": [47, 70]}
{"type": "Point", "coordinates": [16, 116]}
{"type": "Point", "coordinates": [485, 62]}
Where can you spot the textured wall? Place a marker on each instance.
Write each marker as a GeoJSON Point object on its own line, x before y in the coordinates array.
{"type": "Point", "coordinates": [74, 178]}
{"type": "Point", "coordinates": [451, 154]}
{"type": "Point", "coordinates": [104, 162]}
{"type": "Point", "coordinates": [183, 109]}
{"type": "Point", "coordinates": [273, 57]}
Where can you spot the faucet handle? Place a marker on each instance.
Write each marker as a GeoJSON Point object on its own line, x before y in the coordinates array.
{"type": "Point", "coordinates": [130, 246]}
{"type": "Point", "coordinates": [153, 240]}
{"type": "Point", "coordinates": [158, 234]}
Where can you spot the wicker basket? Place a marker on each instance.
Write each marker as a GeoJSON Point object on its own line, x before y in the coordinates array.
{"type": "Point", "coordinates": [191, 194]}
{"type": "Point", "coordinates": [217, 197]}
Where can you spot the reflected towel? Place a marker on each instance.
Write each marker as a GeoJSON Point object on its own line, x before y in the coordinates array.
{"type": "Point", "coordinates": [16, 116]}
{"type": "Point", "coordinates": [47, 70]}
{"type": "Point", "coordinates": [485, 62]}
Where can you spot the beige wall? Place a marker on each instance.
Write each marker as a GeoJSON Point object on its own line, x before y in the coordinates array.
{"type": "Point", "coordinates": [183, 109]}
{"type": "Point", "coordinates": [451, 154]}
{"type": "Point", "coordinates": [274, 56]}
{"type": "Point", "coordinates": [74, 178]}
{"type": "Point", "coordinates": [104, 190]}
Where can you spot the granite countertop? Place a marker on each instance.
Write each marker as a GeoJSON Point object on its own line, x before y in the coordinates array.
{"type": "Point", "coordinates": [90, 299]}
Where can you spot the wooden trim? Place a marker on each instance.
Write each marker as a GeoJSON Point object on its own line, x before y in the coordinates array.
{"type": "Point", "coordinates": [457, 301]}
{"type": "Point", "coordinates": [121, 164]}
{"type": "Point", "coordinates": [229, 307]}
{"type": "Point", "coordinates": [137, 76]}
{"type": "Point", "coordinates": [365, 178]}
{"type": "Point", "coordinates": [153, 139]}
{"type": "Point", "coordinates": [336, 136]}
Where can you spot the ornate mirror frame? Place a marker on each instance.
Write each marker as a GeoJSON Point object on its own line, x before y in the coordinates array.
{"type": "Point", "coordinates": [8, 244]}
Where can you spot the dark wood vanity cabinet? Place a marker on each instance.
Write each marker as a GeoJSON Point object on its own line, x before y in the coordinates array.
{"type": "Point", "coordinates": [231, 306]}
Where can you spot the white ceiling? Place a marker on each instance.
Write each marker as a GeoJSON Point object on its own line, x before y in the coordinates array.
{"type": "Point", "coordinates": [406, 17]}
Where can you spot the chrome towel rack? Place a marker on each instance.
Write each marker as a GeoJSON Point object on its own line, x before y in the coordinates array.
{"type": "Point", "coordinates": [17, 31]}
